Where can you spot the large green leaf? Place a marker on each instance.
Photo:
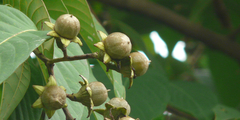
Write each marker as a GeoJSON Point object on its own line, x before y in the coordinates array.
{"type": "Point", "coordinates": [24, 111]}
{"type": "Point", "coordinates": [19, 38]}
{"type": "Point", "coordinates": [37, 12]}
{"type": "Point", "coordinates": [34, 9]}
{"type": "Point", "coordinates": [223, 112]}
{"type": "Point", "coordinates": [192, 98]}
{"type": "Point", "coordinates": [14, 88]}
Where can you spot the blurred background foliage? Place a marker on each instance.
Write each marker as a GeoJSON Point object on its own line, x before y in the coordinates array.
{"type": "Point", "coordinates": [207, 77]}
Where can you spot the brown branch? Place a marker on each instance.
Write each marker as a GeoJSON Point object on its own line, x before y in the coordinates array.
{"type": "Point", "coordinates": [234, 33]}
{"type": "Point", "coordinates": [50, 62]}
{"type": "Point", "coordinates": [222, 13]}
{"type": "Point", "coordinates": [67, 114]}
{"type": "Point", "coordinates": [180, 113]}
{"type": "Point", "coordinates": [72, 58]}
{"type": "Point", "coordinates": [40, 55]}
{"type": "Point", "coordinates": [180, 24]}
{"type": "Point", "coordinates": [65, 58]}
{"type": "Point", "coordinates": [196, 55]}
{"type": "Point", "coordinates": [45, 60]}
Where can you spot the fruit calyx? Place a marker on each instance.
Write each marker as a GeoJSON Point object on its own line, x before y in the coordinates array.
{"type": "Point", "coordinates": [90, 94]}
{"type": "Point", "coordinates": [115, 109]}
{"type": "Point", "coordinates": [51, 97]}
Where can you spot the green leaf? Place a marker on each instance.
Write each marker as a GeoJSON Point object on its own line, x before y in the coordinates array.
{"type": "Point", "coordinates": [34, 9]}
{"type": "Point", "coordinates": [223, 112]}
{"type": "Point", "coordinates": [226, 77]}
{"type": "Point", "coordinates": [98, 26]}
{"type": "Point", "coordinates": [198, 9]}
{"type": "Point", "coordinates": [14, 89]}
{"type": "Point", "coordinates": [148, 97]}
{"type": "Point", "coordinates": [37, 12]}
{"type": "Point", "coordinates": [192, 98]}
{"type": "Point", "coordinates": [24, 111]}
{"type": "Point", "coordinates": [119, 89]}
{"type": "Point", "coordinates": [19, 38]}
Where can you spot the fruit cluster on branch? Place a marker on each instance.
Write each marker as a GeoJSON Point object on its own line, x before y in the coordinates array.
{"type": "Point", "coordinates": [115, 53]}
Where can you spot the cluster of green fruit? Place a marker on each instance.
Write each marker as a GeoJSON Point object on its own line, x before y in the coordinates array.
{"type": "Point", "coordinates": [114, 53]}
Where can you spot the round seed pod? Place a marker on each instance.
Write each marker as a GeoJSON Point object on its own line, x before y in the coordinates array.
{"type": "Point", "coordinates": [117, 45]}
{"type": "Point", "coordinates": [99, 93]}
{"type": "Point", "coordinates": [53, 98]}
{"type": "Point", "coordinates": [126, 118]}
{"type": "Point", "coordinates": [140, 63]}
{"type": "Point", "coordinates": [67, 26]}
{"type": "Point", "coordinates": [119, 102]}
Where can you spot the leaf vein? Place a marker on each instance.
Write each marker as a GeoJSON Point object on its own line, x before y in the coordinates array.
{"type": "Point", "coordinates": [16, 35]}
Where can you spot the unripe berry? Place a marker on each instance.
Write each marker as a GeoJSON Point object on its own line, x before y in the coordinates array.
{"type": "Point", "coordinates": [119, 102]}
{"type": "Point", "coordinates": [53, 98]}
{"type": "Point", "coordinates": [99, 93]}
{"type": "Point", "coordinates": [140, 63]}
{"type": "Point", "coordinates": [67, 26]}
{"type": "Point", "coordinates": [126, 118]}
{"type": "Point", "coordinates": [117, 45]}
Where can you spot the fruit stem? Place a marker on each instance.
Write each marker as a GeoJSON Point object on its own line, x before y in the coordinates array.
{"type": "Point", "coordinates": [45, 60]}
{"type": "Point", "coordinates": [65, 58]}
{"type": "Point", "coordinates": [67, 114]}
{"type": "Point", "coordinates": [72, 58]}
{"type": "Point", "coordinates": [40, 55]}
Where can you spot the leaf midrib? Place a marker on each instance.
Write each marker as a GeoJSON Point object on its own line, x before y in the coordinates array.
{"type": "Point", "coordinates": [14, 35]}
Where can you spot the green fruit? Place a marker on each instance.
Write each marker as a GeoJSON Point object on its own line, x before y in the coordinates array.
{"type": "Point", "coordinates": [117, 45]}
{"type": "Point", "coordinates": [53, 97]}
{"type": "Point", "coordinates": [119, 102]}
{"type": "Point", "coordinates": [67, 26]}
{"type": "Point", "coordinates": [126, 118]}
{"type": "Point", "coordinates": [99, 93]}
{"type": "Point", "coordinates": [140, 63]}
